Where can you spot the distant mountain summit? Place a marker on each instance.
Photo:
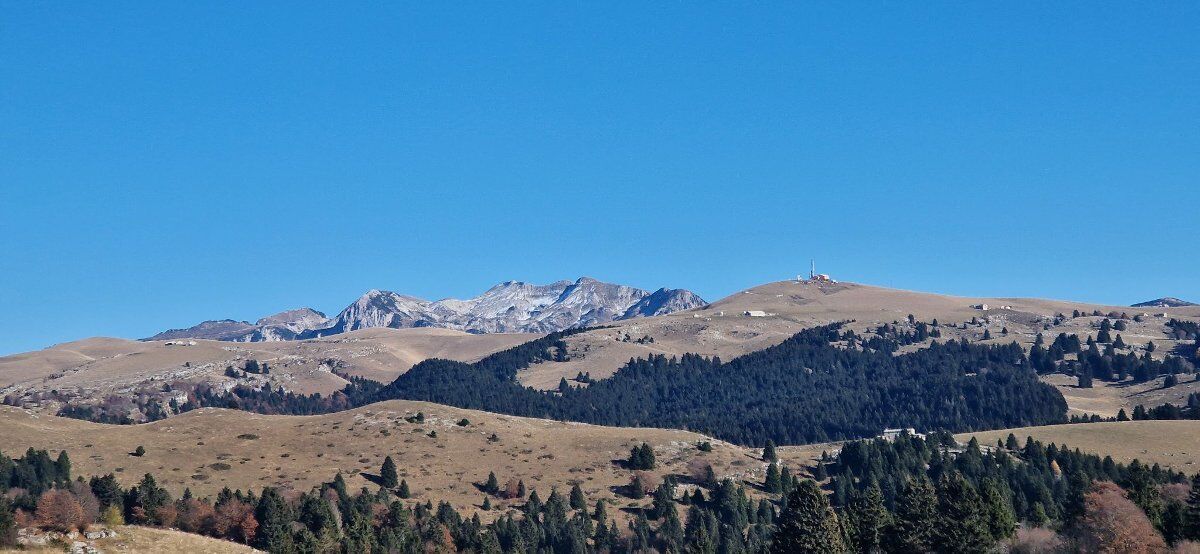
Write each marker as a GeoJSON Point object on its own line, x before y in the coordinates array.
{"type": "Point", "coordinates": [1164, 302]}
{"type": "Point", "coordinates": [281, 326]}
{"type": "Point", "coordinates": [509, 307]}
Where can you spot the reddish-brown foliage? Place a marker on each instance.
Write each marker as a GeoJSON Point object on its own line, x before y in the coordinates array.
{"type": "Point", "coordinates": [235, 521]}
{"type": "Point", "coordinates": [59, 510]}
{"type": "Point", "coordinates": [1113, 523]}
{"type": "Point", "coordinates": [196, 517]}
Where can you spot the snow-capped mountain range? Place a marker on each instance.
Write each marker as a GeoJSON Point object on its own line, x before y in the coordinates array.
{"type": "Point", "coordinates": [508, 307]}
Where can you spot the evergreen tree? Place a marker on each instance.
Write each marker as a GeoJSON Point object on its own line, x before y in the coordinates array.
{"type": "Point", "coordinates": [912, 529]}
{"type": "Point", "coordinates": [403, 492]}
{"type": "Point", "coordinates": [62, 467]}
{"type": "Point", "coordinates": [578, 502]}
{"type": "Point", "coordinates": [962, 524]}
{"type": "Point", "coordinates": [1121, 415]}
{"type": "Point", "coordinates": [1001, 519]}
{"type": "Point", "coordinates": [601, 513]}
{"type": "Point", "coordinates": [1191, 529]}
{"type": "Point", "coordinates": [641, 457]}
{"type": "Point", "coordinates": [867, 520]}
{"type": "Point", "coordinates": [8, 523]}
{"type": "Point", "coordinates": [768, 454]}
{"type": "Point", "coordinates": [808, 524]}
{"type": "Point", "coordinates": [492, 486]}
{"type": "Point", "coordinates": [772, 483]}
{"type": "Point", "coordinates": [274, 523]}
{"type": "Point", "coordinates": [387, 474]}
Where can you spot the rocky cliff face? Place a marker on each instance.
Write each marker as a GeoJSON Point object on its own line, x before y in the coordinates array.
{"type": "Point", "coordinates": [512, 306]}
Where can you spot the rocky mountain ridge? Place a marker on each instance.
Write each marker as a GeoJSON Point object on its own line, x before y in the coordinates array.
{"type": "Point", "coordinates": [508, 307]}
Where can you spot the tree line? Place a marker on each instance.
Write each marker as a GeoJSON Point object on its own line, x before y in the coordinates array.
{"type": "Point", "coordinates": [807, 389]}
{"type": "Point", "coordinates": [908, 495]}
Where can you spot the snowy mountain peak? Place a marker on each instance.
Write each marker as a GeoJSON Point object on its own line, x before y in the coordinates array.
{"type": "Point", "coordinates": [510, 306]}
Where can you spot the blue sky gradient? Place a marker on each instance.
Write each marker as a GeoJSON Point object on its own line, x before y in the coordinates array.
{"type": "Point", "coordinates": [164, 163]}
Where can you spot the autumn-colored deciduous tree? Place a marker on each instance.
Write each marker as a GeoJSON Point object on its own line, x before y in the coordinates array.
{"type": "Point", "coordinates": [235, 521]}
{"type": "Point", "coordinates": [511, 488]}
{"type": "Point", "coordinates": [58, 509]}
{"type": "Point", "coordinates": [196, 516]}
{"type": "Point", "coordinates": [1113, 523]}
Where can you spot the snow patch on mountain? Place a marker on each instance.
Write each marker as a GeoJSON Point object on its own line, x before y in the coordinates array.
{"type": "Point", "coordinates": [508, 307]}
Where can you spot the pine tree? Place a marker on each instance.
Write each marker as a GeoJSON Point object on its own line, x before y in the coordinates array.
{"type": "Point", "coordinates": [867, 519]}
{"type": "Point", "coordinates": [493, 485]}
{"type": "Point", "coordinates": [274, 523]}
{"type": "Point", "coordinates": [1121, 415]}
{"type": "Point", "coordinates": [8, 524]}
{"type": "Point", "coordinates": [578, 502]}
{"type": "Point", "coordinates": [962, 524]}
{"type": "Point", "coordinates": [387, 474]}
{"type": "Point", "coordinates": [403, 492]}
{"type": "Point", "coordinates": [1001, 519]}
{"type": "Point", "coordinates": [601, 513]}
{"type": "Point", "coordinates": [772, 483]}
{"type": "Point", "coordinates": [912, 529]}
{"type": "Point", "coordinates": [62, 466]}
{"type": "Point", "coordinates": [768, 454]}
{"type": "Point", "coordinates": [1191, 529]}
{"type": "Point", "coordinates": [487, 503]}
{"type": "Point", "coordinates": [808, 524]}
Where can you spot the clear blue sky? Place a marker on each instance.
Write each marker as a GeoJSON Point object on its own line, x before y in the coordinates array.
{"type": "Point", "coordinates": [165, 162]}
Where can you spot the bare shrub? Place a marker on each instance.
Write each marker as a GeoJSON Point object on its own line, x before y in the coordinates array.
{"type": "Point", "coordinates": [1036, 540]}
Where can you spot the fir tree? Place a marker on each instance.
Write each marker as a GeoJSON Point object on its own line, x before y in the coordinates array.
{"type": "Point", "coordinates": [867, 519]}
{"type": "Point", "coordinates": [578, 502]}
{"type": "Point", "coordinates": [492, 486]}
{"type": "Point", "coordinates": [772, 482]}
{"type": "Point", "coordinates": [1001, 519]}
{"type": "Point", "coordinates": [808, 524]}
{"type": "Point", "coordinates": [387, 474]}
{"type": "Point", "coordinates": [8, 524]}
{"type": "Point", "coordinates": [1191, 529]}
{"type": "Point", "coordinates": [601, 513]}
{"type": "Point", "coordinates": [912, 529]}
{"type": "Point", "coordinates": [403, 492]}
{"type": "Point", "coordinates": [768, 454]}
{"type": "Point", "coordinates": [274, 523]}
{"type": "Point", "coordinates": [962, 524]}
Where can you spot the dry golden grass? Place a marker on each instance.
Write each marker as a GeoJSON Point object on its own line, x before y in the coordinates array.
{"type": "Point", "coordinates": [146, 540]}
{"type": "Point", "coordinates": [99, 367]}
{"type": "Point", "coordinates": [721, 330]}
{"type": "Point", "coordinates": [1170, 443]}
{"type": "Point", "coordinates": [209, 449]}
{"type": "Point", "coordinates": [1107, 399]}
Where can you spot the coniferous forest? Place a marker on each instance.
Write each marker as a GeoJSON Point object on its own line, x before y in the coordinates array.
{"type": "Point", "coordinates": [822, 384]}
{"type": "Point", "coordinates": [908, 495]}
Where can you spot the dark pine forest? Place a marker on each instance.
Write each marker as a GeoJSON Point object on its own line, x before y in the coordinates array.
{"type": "Point", "coordinates": [822, 384]}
